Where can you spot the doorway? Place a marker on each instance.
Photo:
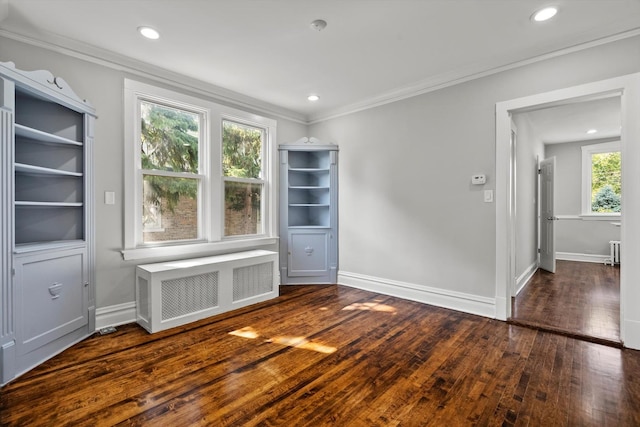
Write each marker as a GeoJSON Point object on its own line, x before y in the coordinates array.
{"type": "Point", "coordinates": [628, 89]}
{"type": "Point", "coordinates": [582, 297]}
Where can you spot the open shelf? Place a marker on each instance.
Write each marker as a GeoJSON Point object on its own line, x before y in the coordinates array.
{"type": "Point", "coordinates": [36, 135]}
{"type": "Point", "coordinates": [311, 195]}
{"type": "Point", "coordinates": [309, 169]}
{"type": "Point", "coordinates": [35, 224]}
{"type": "Point", "coordinates": [49, 118]}
{"type": "Point", "coordinates": [49, 204]}
{"type": "Point", "coordinates": [314, 178]}
{"type": "Point", "coordinates": [319, 160]}
{"type": "Point", "coordinates": [309, 216]}
{"type": "Point", "coordinates": [39, 170]}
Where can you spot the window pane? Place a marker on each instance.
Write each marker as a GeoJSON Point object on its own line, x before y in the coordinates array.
{"type": "Point", "coordinates": [169, 208]}
{"type": "Point", "coordinates": [243, 208]}
{"type": "Point", "coordinates": [169, 138]}
{"type": "Point", "coordinates": [606, 182]}
{"type": "Point", "coordinates": [242, 150]}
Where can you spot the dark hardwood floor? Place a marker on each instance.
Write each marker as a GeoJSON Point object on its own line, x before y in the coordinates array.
{"type": "Point", "coordinates": [581, 299]}
{"type": "Point", "coordinates": [331, 355]}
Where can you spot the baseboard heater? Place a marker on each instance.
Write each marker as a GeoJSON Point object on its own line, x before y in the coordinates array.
{"type": "Point", "coordinates": [614, 247]}
{"type": "Point", "coordinates": [175, 293]}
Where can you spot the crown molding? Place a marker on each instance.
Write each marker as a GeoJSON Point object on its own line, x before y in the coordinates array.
{"type": "Point", "coordinates": [141, 69]}
{"type": "Point", "coordinates": [457, 77]}
{"type": "Point", "coordinates": [131, 66]}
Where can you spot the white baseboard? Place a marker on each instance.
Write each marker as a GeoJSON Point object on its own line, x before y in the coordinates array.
{"type": "Point", "coordinates": [473, 304]}
{"type": "Point", "coordinates": [569, 256]}
{"type": "Point", "coordinates": [526, 276]}
{"type": "Point", "coordinates": [115, 315]}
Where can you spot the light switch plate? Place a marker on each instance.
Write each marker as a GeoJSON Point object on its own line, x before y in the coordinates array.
{"type": "Point", "coordinates": [488, 196]}
{"type": "Point", "coordinates": [109, 198]}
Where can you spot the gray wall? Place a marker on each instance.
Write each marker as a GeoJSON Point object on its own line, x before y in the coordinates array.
{"type": "Point", "coordinates": [407, 209]}
{"type": "Point", "coordinates": [575, 235]}
{"type": "Point", "coordinates": [103, 87]}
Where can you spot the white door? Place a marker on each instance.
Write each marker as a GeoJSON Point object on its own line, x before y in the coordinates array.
{"type": "Point", "coordinates": [547, 215]}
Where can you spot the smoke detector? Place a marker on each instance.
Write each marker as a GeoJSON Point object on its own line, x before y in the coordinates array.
{"type": "Point", "coordinates": [319, 24]}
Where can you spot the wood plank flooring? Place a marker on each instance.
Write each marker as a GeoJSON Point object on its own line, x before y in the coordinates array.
{"type": "Point", "coordinates": [581, 299]}
{"type": "Point", "coordinates": [331, 356]}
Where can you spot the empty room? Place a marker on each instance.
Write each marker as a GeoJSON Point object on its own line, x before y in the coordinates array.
{"type": "Point", "coordinates": [304, 212]}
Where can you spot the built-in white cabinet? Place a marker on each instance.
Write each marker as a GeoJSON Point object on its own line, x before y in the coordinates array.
{"type": "Point", "coordinates": [46, 202]}
{"type": "Point", "coordinates": [308, 212]}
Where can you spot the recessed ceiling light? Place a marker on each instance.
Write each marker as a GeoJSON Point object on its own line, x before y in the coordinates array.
{"type": "Point", "coordinates": [313, 98]}
{"type": "Point", "coordinates": [544, 14]}
{"type": "Point", "coordinates": [592, 131]}
{"type": "Point", "coordinates": [149, 33]}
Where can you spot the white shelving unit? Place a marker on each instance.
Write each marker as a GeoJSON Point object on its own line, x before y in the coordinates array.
{"type": "Point", "coordinates": [308, 212]}
{"type": "Point", "coordinates": [47, 249]}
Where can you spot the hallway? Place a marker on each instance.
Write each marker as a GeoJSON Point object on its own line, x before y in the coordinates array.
{"type": "Point", "coordinates": [581, 300]}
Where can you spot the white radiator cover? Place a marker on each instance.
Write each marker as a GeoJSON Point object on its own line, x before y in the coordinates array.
{"type": "Point", "coordinates": [175, 293]}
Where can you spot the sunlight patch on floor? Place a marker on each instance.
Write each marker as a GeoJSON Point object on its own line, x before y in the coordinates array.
{"type": "Point", "coordinates": [290, 341]}
{"type": "Point", "coordinates": [371, 306]}
{"type": "Point", "coordinates": [246, 332]}
{"type": "Point", "coordinates": [302, 342]}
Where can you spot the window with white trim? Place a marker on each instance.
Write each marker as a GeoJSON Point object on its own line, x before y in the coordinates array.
{"type": "Point", "coordinates": [601, 179]}
{"type": "Point", "coordinates": [243, 181]}
{"type": "Point", "coordinates": [198, 174]}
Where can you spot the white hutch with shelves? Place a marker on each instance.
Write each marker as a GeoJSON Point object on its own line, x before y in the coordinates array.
{"type": "Point", "coordinates": [308, 212]}
{"type": "Point", "coordinates": [46, 235]}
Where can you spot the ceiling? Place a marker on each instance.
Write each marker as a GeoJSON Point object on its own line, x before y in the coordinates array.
{"type": "Point", "coordinates": [570, 122]}
{"type": "Point", "coordinates": [371, 51]}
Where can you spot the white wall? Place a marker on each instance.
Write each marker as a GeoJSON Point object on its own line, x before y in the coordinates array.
{"type": "Point", "coordinates": [409, 217]}
{"type": "Point", "coordinates": [573, 234]}
{"type": "Point", "coordinates": [529, 149]}
{"type": "Point", "coordinates": [103, 87]}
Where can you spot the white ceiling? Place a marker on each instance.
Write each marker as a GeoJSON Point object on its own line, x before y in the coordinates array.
{"type": "Point", "coordinates": [570, 122]}
{"type": "Point", "coordinates": [371, 50]}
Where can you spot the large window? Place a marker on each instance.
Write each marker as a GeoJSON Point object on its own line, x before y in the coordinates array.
{"type": "Point", "coordinates": [198, 175]}
{"type": "Point", "coordinates": [169, 142]}
{"type": "Point", "coordinates": [601, 179]}
{"type": "Point", "coordinates": [243, 183]}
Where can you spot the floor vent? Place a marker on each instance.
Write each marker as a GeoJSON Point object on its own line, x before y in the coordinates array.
{"type": "Point", "coordinates": [174, 293]}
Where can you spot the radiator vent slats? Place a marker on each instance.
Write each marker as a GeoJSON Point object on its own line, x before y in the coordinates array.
{"type": "Point", "coordinates": [188, 295]}
{"type": "Point", "coordinates": [252, 280]}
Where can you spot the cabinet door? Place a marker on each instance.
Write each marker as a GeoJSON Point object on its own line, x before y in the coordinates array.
{"type": "Point", "coordinates": [52, 297]}
{"type": "Point", "coordinates": [308, 253]}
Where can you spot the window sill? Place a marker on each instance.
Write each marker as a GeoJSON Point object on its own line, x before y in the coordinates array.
{"type": "Point", "coordinates": [600, 217]}
{"type": "Point", "coordinates": [196, 249]}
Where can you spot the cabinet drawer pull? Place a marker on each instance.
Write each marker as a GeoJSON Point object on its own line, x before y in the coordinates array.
{"type": "Point", "coordinates": [308, 250]}
{"type": "Point", "coordinates": [55, 290]}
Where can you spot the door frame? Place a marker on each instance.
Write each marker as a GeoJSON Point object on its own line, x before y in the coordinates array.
{"type": "Point", "coordinates": [628, 88]}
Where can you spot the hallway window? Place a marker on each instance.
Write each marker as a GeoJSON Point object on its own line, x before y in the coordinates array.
{"type": "Point", "coordinates": [601, 179]}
